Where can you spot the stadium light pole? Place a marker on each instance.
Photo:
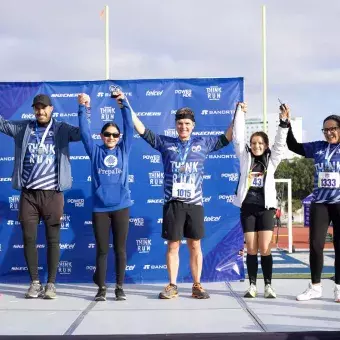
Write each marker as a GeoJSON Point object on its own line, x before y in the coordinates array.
{"type": "Point", "coordinates": [107, 53]}
{"type": "Point", "coordinates": [264, 68]}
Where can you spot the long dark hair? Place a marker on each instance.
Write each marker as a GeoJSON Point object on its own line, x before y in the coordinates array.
{"type": "Point", "coordinates": [260, 134]}
{"type": "Point", "coordinates": [108, 125]}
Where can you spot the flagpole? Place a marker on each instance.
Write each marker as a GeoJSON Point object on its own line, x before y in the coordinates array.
{"type": "Point", "coordinates": [107, 54]}
{"type": "Point", "coordinates": [264, 68]}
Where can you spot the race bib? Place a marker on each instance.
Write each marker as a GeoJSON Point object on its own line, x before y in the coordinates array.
{"type": "Point", "coordinates": [329, 180]}
{"type": "Point", "coordinates": [256, 179]}
{"type": "Point", "coordinates": [183, 190]}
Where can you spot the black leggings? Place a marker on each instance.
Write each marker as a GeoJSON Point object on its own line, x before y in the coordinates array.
{"type": "Point", "coordinates": [321, 215]}
{"type": "Point", "coordinates": [119, 222]}
{"type": "Point", "coordinates": [48, 205]}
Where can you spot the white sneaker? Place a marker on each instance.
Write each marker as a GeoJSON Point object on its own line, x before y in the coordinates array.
{"type": "Point", "coordinates": [251, 292]}
{"type": "Point", "coordinates": [312, 292]}
{"type": "Point", "coordinates": [269, 292]}
{"type": "Point", "coordinates": [337, 293]}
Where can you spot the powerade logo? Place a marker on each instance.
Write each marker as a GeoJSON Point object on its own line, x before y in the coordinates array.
{"type": "Point", "coordinates": [77, 202]}
{"type": "Point", "coordinates": [214, 92]}
{"type": "Point", "coordinates": [227, 198]}
{"type": "Point", "coordinates": [64, 95]}
{"type": "Point", "coordinates": [12, 222]}
{"type": "Point", "coordinates": [153, 93]}
{"type": "Point", "coordinates": [137, 221]}
{"type": "Point", "coordinates": [187, 93]}
{"type": "Point", "coordinates": [212, 218]}
{"type": "Point", "coordinates": [152, 158]}
{"type": "Point", "coordinates": [232, 177]}
{"type": "Point", "coordinates": [91, 268]}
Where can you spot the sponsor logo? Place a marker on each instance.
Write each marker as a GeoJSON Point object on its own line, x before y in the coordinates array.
{"type": "Point", "coordinates": [156, 178]}
{"type": "Point", "coordinates": [91, 245]}
{"type": "Point", "coordinates": [173, 148]}
{"type": "Point", "coordinates": [217, 112]}
{"type": "Point", "coordinates": [64, 95]}
{"type": "Point", "coordinates": [131, 178]}
{"type": "Point", "coordinates": [232, 177]}
{"type": "Point", "coordinates": [18, 246]}
{"type": "Point", "coordinates": [153, 158]}
{"type": "Point", "coordinates": [143, 245]}
{"type": "Point", "coordinates": [65, 268]}
{"type": "Point", "coordinates": [207, 133]}
{"type": "Point", "coordinates": [206, 199]}
{"type": "Point", "coordinates": [153, 93]}
{"type": "Point", "coordinates": [67, 246]}
{"type": "Point", "coordinates": [160, 220]}
{"type": "Point", "coordinates": [129, 268]}
{"type": "Point", "coordinates": [221, 156]}
{"type": "Point", "coordinates": [21, 269]}
{"type": "Point", "coordinates": [14, 202]}
{"type": "Point", "coordinates": [5, 179]}
{"type": "Point", "coordinates": [155, 201]}
{"type": "Point", "coordinates": [109, 172]}
{"type": "Point", "coordinates": [65, 115]}
{"type": "Point", "coordinates": [214, 92]}
{"type": "Point", "coordinates": [170, 133]}
{"type": "Point", "coordinates": [212, 218]}
{"type": "Point", "coordinates": [155, 266]}
{"type": "Point", "coordinates": [187, 93]}
{"type": "Point", "coordinates": [228, 198]}
{"type": "Point", "coordinates": [88, 223]}
{"type": "Point", "coordinates": [89, 179]}
{"type": "Point", "coordinates": [96, 136]}
{"type": "Point", "coordinates": [91, 268]}
{"type": "Point", "coordinates": [136, 135]}
{"type": "Point", "coordinates": [12, 222]}
{"type": "Point", "coordinates": [196, 148]}
{"type": "Point", "coordinates": [173, 112]}
{"type": "Point", "coordinates": [107, 113]}
{"type": "Point", "coordinates": [6, 159]}
{"type": "Point", "coordinates": [110, 161]}
{"type": "Point", "coordinates": [148, 114]}
{"type": "Point", "coordinates": [107, 94]}
{"type": "Point", "coordinates": [78, 202]}
{"type": "Point", "coordinates": [206, 176]}
{"type": "Point", "coordinates": [137, 221]}
{"type": "Point", "coordinates": [28, 116]}
{"type": "Point", "coordinates": [79, 158]}
{"type": "Point", "coordinates": [65, 222]}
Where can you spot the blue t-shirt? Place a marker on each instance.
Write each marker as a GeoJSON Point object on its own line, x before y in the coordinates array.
{"type": "Point", "coordinates": [109, 168]}
{"type": "Point", "coordinates": [184, 183]}
{"type": "Point", "coordinates": [40, 170]}
{"type": "Point", "coordinates": [325, 189]}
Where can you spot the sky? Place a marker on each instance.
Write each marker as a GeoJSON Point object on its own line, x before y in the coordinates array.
{"type": "Point", "coordinates": [64, 40]}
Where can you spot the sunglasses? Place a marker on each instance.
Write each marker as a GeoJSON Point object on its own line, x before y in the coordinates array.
{"type": "Point", "coordinates": [331, 129]}
{"type": "Point", "coordinates": [109, 134]}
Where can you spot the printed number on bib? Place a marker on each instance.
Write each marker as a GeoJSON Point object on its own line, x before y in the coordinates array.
{"type": "Point", "coordinates": [256, 179]}
{"type": "Point", "coordinates": [183, 190]}
{"type": "Point", "coordinates": [330, 180]}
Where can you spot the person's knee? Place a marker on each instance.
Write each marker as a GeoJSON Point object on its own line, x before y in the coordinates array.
{"type": "Point", "coordinates": [173, 247]}
{"type": "Point", "coordinates": [265, 250]}
{"type": "Point", "coordinates": [194, 246]}
{"type": "Point", "coordinates": [252, 250]}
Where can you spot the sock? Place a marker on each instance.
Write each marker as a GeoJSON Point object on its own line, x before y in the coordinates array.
{"type": "Point", "coordinates": [252, 265]}
{"type": "Point", "coordinates": [267, 268]}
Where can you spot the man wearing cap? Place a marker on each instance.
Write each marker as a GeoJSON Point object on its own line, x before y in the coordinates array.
{"type": "Point", "coordinates": [183, 215]}
{"type": "Point", "coordinates": [42, 171]}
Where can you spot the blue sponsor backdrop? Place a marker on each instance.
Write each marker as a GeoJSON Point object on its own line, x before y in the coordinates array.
{"type": "Point", "coordinates": [155, 102]}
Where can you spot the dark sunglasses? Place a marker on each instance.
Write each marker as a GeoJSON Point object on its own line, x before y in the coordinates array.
{"type": "Point", "coordinates": [114, 135]}
{"type": "Point", "coordinates": [331, 129]}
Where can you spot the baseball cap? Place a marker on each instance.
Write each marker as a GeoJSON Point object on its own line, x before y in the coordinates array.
{"type": "Point", "coordinates": [42, 99]}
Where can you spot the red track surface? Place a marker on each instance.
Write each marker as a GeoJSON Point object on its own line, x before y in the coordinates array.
{"type": "Point", "coordinates": [300, 238]}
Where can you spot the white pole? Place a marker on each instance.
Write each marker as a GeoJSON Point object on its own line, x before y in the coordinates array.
{"type": "Point", "coordinates": [289, 224]}
{"type": "Point", "coordinates": [264, 67]}
{"type": "Point", "coordinates": [107, 54]}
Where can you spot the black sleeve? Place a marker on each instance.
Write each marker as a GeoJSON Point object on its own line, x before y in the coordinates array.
{"type": "Point", "coordinates": [149, 137]}
{"type": "Point", "coordinates": [221, 142]}
{"type": "Point", "coordinates": [293, 145]}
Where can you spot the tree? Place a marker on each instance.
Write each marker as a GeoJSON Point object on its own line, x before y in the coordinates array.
{"type": "Point", "coordinates": [301, 172]}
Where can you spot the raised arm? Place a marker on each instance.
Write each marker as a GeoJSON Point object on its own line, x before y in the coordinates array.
{"type": "Point", "coordinates": [84, 124]}
{"type": "Point", "coordinates": [292, 143]}
{"type": "Point", "coordinates": [11, 128]}
{"type": "Point", "coordinates": [279, 147]}
{"type": "Point", "coordinates": [239, 126]}
{"type": "Point", "coordinates": [139, 126]}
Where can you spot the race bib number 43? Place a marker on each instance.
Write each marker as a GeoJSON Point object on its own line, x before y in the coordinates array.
{"type": "Point", "coordinates": [330, 180]}
{"type": "Point", "coordinates": [183, 190]}
{"type": "Point", "coordinates": [256, 179]}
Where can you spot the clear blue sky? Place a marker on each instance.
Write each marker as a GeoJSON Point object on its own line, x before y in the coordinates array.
{"type": "Point", "coordinates": [64, 40]}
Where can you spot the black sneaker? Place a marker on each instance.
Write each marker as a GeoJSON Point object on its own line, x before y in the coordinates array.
{"type": "Point", "coordinates": [120, 295]}
{"type": "Point", "coordinates": [101, 294]}
{"type": "Point", "coordinates": [35, 290]}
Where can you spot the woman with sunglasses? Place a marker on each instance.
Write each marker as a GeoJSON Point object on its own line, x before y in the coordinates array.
{"type": "Point", "coordinates": [325, 206]}
{"type": "Point", "coordinates": [256, 195]}
{"type": "Point", "coordinates": [110, 191]}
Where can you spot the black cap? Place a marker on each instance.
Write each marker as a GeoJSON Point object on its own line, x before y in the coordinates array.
{"type": "Point", "coordinates": [42, 99]}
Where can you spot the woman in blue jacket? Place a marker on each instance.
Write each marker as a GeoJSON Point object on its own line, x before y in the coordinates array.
{"type": "Point", "coordinates": [111, 196]}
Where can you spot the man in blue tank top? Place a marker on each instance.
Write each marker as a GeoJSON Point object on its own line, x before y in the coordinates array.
{"type": "Point", "coordinates": [183, 216]}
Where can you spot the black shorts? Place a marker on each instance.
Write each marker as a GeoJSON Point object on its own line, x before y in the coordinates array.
{"type": "Point", "coordinates": [182, 220]}
{"type": "Point", "coordinates": [255, 218]}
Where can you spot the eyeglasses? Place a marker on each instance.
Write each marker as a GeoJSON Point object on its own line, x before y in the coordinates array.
{"type": "Point", "coordinates": [331, 129]}
{"type": "Point", "coordinates": [109, 134]}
